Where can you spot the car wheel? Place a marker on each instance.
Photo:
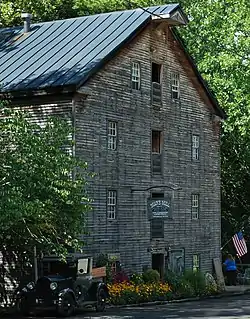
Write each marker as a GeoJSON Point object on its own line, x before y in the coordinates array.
{"type": "Point", "coordinates": [101, 300]}
{"type": "Point", "coordinates": [22, 306]}
{"type": "Point", "coordinates": [66, 306]}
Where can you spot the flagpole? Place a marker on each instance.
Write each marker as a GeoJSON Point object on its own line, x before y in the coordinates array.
{"type": "Point", "coordinates": [225, 244]}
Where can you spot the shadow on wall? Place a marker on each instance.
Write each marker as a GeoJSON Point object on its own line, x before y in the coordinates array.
{"type": "Point", "coordinates": [15, 271]}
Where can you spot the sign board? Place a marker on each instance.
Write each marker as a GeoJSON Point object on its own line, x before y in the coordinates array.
{"type": "Point", "coordinates": [99, 272]}
{"type": "Point", "coordinates": [219, 273]}
{"type": "Point", "coordinates": [159, 208]}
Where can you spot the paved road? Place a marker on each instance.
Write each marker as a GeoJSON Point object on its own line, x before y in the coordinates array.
{"type": "Point", "coordinates": [226, 308]}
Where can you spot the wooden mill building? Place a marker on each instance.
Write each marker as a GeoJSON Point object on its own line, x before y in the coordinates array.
{"type": "Point", "coordinates": [145, 121]}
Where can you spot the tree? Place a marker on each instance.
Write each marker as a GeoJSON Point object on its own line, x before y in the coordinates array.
{"type": "Point", "coordinates": [42, 10]}
{"type": "Point", "coordinates": [43, 187]}
{"type": "Point", "coordinates": [218, 37]}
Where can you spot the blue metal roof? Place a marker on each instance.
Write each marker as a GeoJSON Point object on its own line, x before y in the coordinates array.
{"type": "Point", "coordinates": [66, 52]}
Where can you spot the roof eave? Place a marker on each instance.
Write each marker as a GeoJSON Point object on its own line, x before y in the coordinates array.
{"type": "Point", "coordinates": [38, 92]}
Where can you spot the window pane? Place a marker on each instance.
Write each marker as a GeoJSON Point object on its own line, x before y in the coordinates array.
{"type": "Point", "coordinates": [111, 205]}
{"type": "Point", "coordinates": [112, 135]}
{"type": "Point", "coordinates": [195, 206]}
{"type": "Point", "coordinates": [196, 262]}
{"type": "Point", "coordinates": [136, 75]}
{"type": "Point", "coordinates": [175, 85]}
{"type": "Point", "coordinates": [195, 147]}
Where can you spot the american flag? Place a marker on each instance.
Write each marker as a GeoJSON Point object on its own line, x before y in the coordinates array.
{"type": "Point", "coordinates": [240, 244]}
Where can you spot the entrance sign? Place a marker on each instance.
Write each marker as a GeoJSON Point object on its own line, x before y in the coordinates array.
{"type": "Point", "coordinates": [159, 208]}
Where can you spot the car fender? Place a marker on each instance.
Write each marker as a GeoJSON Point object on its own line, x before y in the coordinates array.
{"type": "Point", "coordinates": [103, 286]}
{"type": "Point", "coordinates": [66, 291]}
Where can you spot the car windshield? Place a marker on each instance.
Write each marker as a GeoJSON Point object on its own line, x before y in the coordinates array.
{"type": "Point", "coordinates": [58, 268]}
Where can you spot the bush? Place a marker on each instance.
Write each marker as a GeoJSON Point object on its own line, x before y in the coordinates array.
{"type": "Point", "coordinates": [151, 276]}
{"type": "Point", "coordinates": [136, 279]}
{"type": "Point", "coordinates": [197, 281]}
{"type": "Point", "coordinates": [180, 287]}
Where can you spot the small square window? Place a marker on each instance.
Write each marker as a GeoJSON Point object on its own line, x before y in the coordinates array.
{"type": "Point", "coordinates": [136, 76]}
{"type": "Point", "coordinates": [195, 147]}
{"type": "Point", "coordinates": [112, 135]}
{"type": "Point", "coordinates": [196, 263]}
{"type": "Point", "coordinates": [195, 206]}
{"type": "Point", "coordinates": [112, 204]}
{"type": "Point", "coordinates": [175, 85]}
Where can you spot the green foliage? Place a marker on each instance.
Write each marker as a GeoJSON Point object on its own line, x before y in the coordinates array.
{"type": "Point", "coordinates": [43, 188]}
{"type": "Point", "coordinates": [196, 280]}
{"type": "Point", "coordinates": [190, 284]}
{"type": "Point", "coordinates": [137, 279]}
{"type": "Point", "coordinates": [101, 260]}
{"type": "Point", "coordinates": [218, 38]}
{"type": "Point", "coordinates": [151, 276]}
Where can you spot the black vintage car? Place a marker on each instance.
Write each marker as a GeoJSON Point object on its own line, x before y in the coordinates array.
{"type": "Point", "coordinates": [63, 286]}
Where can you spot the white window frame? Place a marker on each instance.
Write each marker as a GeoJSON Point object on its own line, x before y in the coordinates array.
{"type": "Point", "coordinates": [195, 147]}
{"type": "Point", "coordinates": [112, 135]}
{"type": "Point", "coordinates": [136, 75]}
{"type": "Point", "coordinates": [111, 204]}
{"type": "Point", "coordinates": [196, 262]}
{"type": "Point", "coordinates": [195, 205]}
{"type": "Point", "coordinates": [175, 84]}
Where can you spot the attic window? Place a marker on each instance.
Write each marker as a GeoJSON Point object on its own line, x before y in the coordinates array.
{"type": "Point", "coordinates": [175, 85]}
{"type": "Point", "coordinates": [156, 77]}
{"type": "Point", "coordinates": [136, 76]}
{"type": "Point", "coordinates": [156, 72]}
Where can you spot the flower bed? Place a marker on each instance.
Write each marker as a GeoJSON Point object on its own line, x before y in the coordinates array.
{"type": "Point", "coordinates": [147, 287]}
{"type": "Point", "coordinates": [130, 293]}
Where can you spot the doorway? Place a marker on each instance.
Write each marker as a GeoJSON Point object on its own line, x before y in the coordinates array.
{"type": "Point", "coordinates": [158, 263]}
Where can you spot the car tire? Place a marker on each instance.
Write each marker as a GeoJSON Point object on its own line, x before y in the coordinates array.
{"type": "Point", "coordinates": [22, 306]}
{"type": "Point", "coordinates": [66, 306]}
{"type": "Point", "coordinates": [101, 300]}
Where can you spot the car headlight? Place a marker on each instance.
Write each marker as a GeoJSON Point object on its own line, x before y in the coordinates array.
{"type": "Point", "coordinates": [31, 285]}
{"type": "Point", "coordinates": [53, 286]}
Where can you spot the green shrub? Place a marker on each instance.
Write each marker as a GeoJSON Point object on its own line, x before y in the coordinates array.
{"type": "Point", "coordinates": [197, 281]}
{"type": "Point", "coordinates": [151, 276]}
{"type": "Point", "coordinates": [172, 279]}
{"type": "Point", "coordinates": [180, 287]}
{"type": "Point", "coordinates": [136, 279]}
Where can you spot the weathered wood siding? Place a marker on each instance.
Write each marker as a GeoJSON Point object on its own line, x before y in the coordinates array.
{"type": "Point", "coordinates": [111, 98]}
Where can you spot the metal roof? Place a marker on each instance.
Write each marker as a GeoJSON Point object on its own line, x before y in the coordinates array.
{"type": "Point", "coordinates": [66, 52]}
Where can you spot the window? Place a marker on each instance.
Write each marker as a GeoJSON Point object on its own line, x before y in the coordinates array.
{"type": "Point", "coordinates": [196, 262]}
{"type": "Point", "coordinates": [156, 142]}
{"type": "Point", "coordinates": [136, 76]}
{"type": "Point", "coordinates": [157, 195]}
{"type": "Point", "coordinates": [156, 146]}
{"type": "Point", "coordinates": [156, 82]}
{"type": "Point", "coordinates": [195, 206]}
{"type": "Point", "coordinates": [175, 85]}
{"type": "Point", "coordinates": [112, 135]}
{"type": "Point", "coordinates": [195, 147]}
{"type": "Point", "coordinates": [112, 205]}
{"type": "Point", "coordinates": [157, 228]}
{"type": "Point", "coordinates": [156, 72]}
